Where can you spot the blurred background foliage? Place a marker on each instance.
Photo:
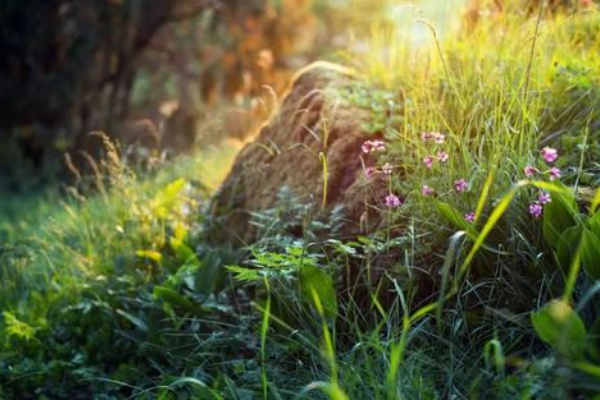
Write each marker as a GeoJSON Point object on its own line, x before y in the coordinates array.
{"type": "Point", "coordinates": [171, 75]}
{"type": "Point", "coordinates": [160, 73]}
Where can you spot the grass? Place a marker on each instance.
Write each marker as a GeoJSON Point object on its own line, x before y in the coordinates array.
{"type": "Point", "coordinates": [117, 294]}
{"type": "Point", "coordinates": [76, 238]}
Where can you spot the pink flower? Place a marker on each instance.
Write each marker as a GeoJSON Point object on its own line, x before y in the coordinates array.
{"type": "Point", "coordinates": [426, 190]}
{"type": "Point", "coordinates": [387, 169]}
{"type": "Point", "coordinates": [549, 154]}
{"type": "Point", "coordinates": [391, 200]}
{"type": "Point", "coordinates": [554, 173]}
{"type": "Point", "coordinates": [428, 161]}
{"type": "Point", "coordinates": [366, 147]}
{"type": "Point", "coordinates": [437, 137]}
{"type": "Point", "coordinates": [377, 145]}
{"type": "Point", "coordinates": [470, 217]}
{"type": "Point", "coordinates": [442, 156]}
{"type": "Point", "coordinates": [460, 185]}
{"type": "Point", "coordinates": [425, 136]}
{"type": "Point", "coordinates": [530, 171]}
{"type": "Point", "coordinates": [370, 146]}
{"type": "Point", "coordinates": [544, 198]}
{"type": "Point", "coordinates": [535, 209]}
{"type": "Point", "coordinates": [369, 172]}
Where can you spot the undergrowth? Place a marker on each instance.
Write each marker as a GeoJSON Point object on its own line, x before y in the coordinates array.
{"type": "Point", "coordinates": [483, 283]}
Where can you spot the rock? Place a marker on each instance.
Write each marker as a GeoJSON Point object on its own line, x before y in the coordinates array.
{"type": "Point", "coordinates": [312, 119]}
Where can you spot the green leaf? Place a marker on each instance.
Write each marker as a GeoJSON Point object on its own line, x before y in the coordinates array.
{"type": "Point", "coordinates": [244, 274]}
{"type": "Point", "coordinates": [493, 355]}
{"type": "Point", "coordinates": [594, 223]}
{"type": "Point", "coordinates": [567, 245]}
{"type": "Point", "coordinates": [595, 201]}
{"type": "Point", "coordinates": [491, 222]}
{"type": "Point", "coordinates": [211, 274]}
{"type": "Point", "coordinates": [174, 299]}
{"type": "Point", "coordinates": [186, 274]}
{"type": "Point", "coordinates": [17, 328]}
{"type": "Point", "coordinates": [452, 215]}
{"type": "Point", "coordinates": [318, 290]}
{"type": "Point", "coordinates": [590, 253]}
{"type": "Point", "coordinates": [589, 369]}
{"type": "Point", "coordinates": [560, 326]}
{"type": "Point", "coordinates": [485, 191]}
{"type": "Point", "coordinates": [559, 215]}
{"type": "Point", "coordinates": [134, 320]}
{"type": "Point", "coordinates": [183, 252]}
{"type": "Point", "coordinates": [595, 340]}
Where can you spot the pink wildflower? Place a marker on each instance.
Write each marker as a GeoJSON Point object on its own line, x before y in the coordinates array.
{"type": "Point", "coordinates": [387, 169]}
{"type": "Point", "coordinates": [460, 185]}
{"type": "Point", "coordinates": [535, 209]}
{"type": "Point", "coordinates": [439, 138]}
{"type": "Point", "coordinates": [392, 201]}
{"type": "Point", "coordinates": [377, 145]}
{"type": "Point", "coordinates": [426, 190]}
{"type": "Point", "coordinates": [428, 161]}
{"type": "Point", "coordinates": [442, 156]}
{"type": "Point", "coordinates": [370, 146]}
{"type": "Point", "coordinates": [369, 172]}
{"type": "Point", "coordinates": [470, 217]}
{"type": "Point", "coordinates": [544, 198]}
{"type": "Point", "coordinates": [554, 173]}
{"type": "Point", "coordinates": [425, 136]}
{"type": "Point", "coordinates": [530, 171]}
{"type": "Point", "coordinates": [549, 154]}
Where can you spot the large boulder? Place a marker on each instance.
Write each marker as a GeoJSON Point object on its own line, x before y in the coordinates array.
{"type": "Point", "coordinates": [312, 120]}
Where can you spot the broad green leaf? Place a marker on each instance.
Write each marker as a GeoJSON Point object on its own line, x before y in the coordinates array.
{"type": "Point", "coordinates": [567, 245]}
{"type": "Point", "coordinates": [594, 223]}
{"type": "Point", "coordinates": [560, 326]}
{"type": "Point", "coordinates": [559, 215]}
{"type": "Point", "coordinates": [590, 253]}
{"type": "Point", "coordinates": [210, 275]}
{"type": "Point", "coordinates": [315, 282]}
